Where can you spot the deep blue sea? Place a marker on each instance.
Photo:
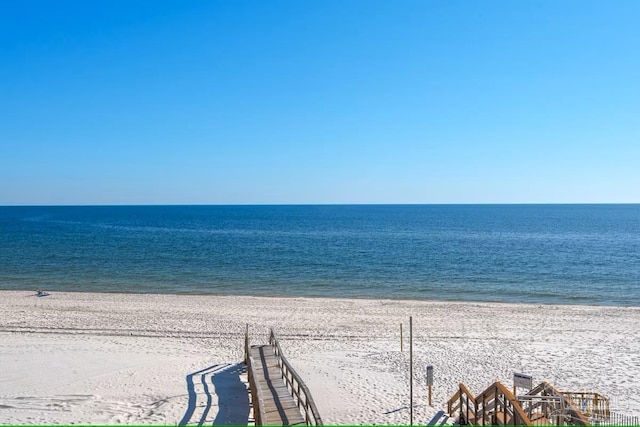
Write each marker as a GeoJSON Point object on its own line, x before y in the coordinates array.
{"type": "Point", "coordinates": [550, 254]}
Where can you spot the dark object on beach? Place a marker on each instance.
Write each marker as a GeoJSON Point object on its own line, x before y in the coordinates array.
{"type": "Point", "coordinates": [40, 293]}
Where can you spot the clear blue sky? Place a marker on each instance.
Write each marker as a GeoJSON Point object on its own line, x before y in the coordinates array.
{"type": "Point", "coordinates": [154, 102]}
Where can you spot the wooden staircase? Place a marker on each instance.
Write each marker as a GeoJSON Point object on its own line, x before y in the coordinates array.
{"type": "Point", "coordinates": [544, 402]}
{"type": "Point", "coordinates": [496, 405]}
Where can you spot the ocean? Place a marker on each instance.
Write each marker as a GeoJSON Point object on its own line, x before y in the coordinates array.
{"type": "Point", "coordinates": [543, 254]}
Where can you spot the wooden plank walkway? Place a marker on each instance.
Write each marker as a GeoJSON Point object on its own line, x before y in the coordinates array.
{"type": "Point", "coordinates": [277, 406]}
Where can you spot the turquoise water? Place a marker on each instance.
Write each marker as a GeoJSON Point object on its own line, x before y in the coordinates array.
{"type": "Point", "coordinates": [552, 254]}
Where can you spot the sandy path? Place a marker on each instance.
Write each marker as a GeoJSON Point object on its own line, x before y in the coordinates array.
{"type": "Point", "coordinates": [113, 358]}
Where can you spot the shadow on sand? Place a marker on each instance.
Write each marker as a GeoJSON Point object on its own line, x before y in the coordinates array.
{"type": "Point", "coordinates": [224, 381]}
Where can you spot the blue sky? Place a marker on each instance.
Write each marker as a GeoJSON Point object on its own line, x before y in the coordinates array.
{"type": "Point", "coordinates": [225, 102]}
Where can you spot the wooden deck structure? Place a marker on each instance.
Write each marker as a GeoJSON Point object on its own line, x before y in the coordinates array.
{"type": "Point", "coordinates": [543, 405]}
{"type": "Point", "coordinates": [594, 405]}
{"type": "Point", "coordinates": [546, 402]}
{"type": "Point", "coordinates": [278, 394]}
{"type": "Point", "coordinates": [495, 405]}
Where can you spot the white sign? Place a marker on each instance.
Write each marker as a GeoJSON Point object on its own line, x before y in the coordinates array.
{"type": "Point", "coordinates": [522, 381]}
{"type": "Point", "coordinates": [429, 375]}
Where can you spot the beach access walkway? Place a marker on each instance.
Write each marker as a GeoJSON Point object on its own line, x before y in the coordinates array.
{"type": "Point", "coordinates": [542, 405]}
{"type": "Point", "coordinates": [278, 394]}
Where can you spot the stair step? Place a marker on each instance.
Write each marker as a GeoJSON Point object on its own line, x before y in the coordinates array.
{"type": "Point", "coordinates": [436, 418]}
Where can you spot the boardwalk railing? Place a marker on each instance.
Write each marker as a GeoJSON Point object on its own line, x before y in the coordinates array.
{"type": "Point", "coordinates": [495, 405]}
{"type": "Point", "coordinates": [594, 405]}
{"type": "Point", "coordinates": [550, 403]}
{"type": "Point", "coordinates": [463, 402]}
{"type": "Point", "coordinates": [296, 386]}
{"type": "Point", "coordinates": [543, 404]}
{"type": "Point", "coordinates": [248, 360]}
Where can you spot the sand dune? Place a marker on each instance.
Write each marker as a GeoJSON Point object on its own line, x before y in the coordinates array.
{"type": "Point", "coordinates": [155, 359]}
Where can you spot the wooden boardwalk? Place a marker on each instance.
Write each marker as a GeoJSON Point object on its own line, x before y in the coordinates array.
{"type": "Point", "coordinates": [277, 406]}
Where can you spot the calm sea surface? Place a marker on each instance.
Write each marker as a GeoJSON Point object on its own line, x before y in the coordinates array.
{"type": "Point", "coordinates": [552, 254]}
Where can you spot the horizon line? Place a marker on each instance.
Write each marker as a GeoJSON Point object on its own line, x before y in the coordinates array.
{"type": "Point", "coordinates": [316, 204]}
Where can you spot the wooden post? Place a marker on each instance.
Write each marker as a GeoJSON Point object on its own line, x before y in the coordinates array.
{"type": "Point", "coordinates": [483, 408]}
{"type": "Point", "coordinates": [430, 381]}
{"type": "Point", "coordinates": [400, 337]}
{"type": "Point", "coordinates": [410, 370]}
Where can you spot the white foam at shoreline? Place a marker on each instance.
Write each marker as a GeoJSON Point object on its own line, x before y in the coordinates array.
{"type": "Point", "coordinates": [107, 358]}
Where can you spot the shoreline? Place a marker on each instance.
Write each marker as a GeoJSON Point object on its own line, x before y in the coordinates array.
{"type": "Point", "coordinates": [356, 298]}
{"type": "Point", "coordinates": [111, 358]}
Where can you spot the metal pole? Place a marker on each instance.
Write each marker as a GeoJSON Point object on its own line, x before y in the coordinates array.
{"type": "Point", "coordinates": [246, 344]}
{"type": "Point", "coordinates": [410, 370]}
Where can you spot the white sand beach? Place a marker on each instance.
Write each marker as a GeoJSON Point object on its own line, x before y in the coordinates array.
{"type": "Point", "coordinates": [128, 358]}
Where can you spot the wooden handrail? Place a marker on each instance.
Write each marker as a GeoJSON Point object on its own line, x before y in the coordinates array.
{"type": "Point", "coordinates": [452, 400]}
{"type": "Point", "coordinates": [496, 402]}
{"type": "Point", "coordinates": [297, 387]}
{"type": "Point", "coordinates": [576, 416]}
{"type": "Point", "coordinates": [462, 389]}
{"type": "Point", "coordinates": [249, 361]}
{"type": "Point", "coordinates": [465, 403]}
{"type": "Point", "coordinates": [544, 388]}
{"type": "Point", "coordinates": [522, 418]}
{"type": "Point", "coordinates": [465, 390]}
{"type": "Point", "coordinates": [595, 404]}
